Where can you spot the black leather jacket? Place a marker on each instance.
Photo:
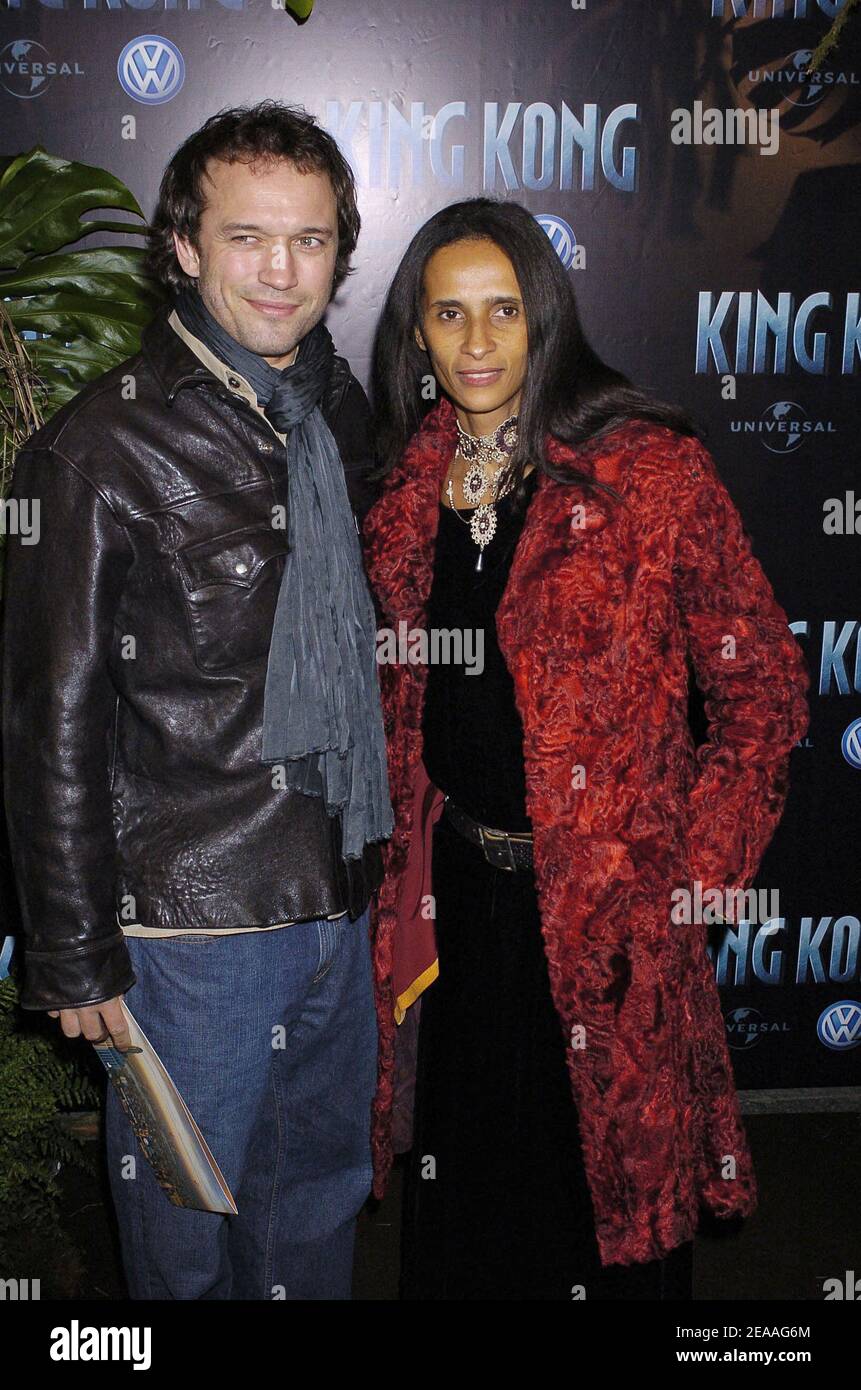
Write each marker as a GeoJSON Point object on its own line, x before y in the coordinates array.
{"type": "Point", "coordinates": [135, 637]}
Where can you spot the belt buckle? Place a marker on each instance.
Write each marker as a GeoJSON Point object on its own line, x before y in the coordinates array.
{"type": "Point", "coordinates": [496, 840]}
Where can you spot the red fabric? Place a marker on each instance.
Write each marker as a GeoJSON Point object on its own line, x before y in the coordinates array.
{"type": "Point", "coordinates": [596, 625]}
{"type": "Point", "coordinates": [414, 946]}
{"type": "Point", "coordinates": [413, 953]}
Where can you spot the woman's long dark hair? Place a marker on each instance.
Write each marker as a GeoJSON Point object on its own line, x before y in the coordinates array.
{"type": "Point", "coordinates": [568, 391]}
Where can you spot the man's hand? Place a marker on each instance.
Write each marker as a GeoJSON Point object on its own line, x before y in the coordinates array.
{"type": "Point", "coordinates": [96, 1022]}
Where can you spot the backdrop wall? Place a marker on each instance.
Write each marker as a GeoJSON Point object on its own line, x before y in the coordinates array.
{"type": "Point", "coordinates": [716, 263]}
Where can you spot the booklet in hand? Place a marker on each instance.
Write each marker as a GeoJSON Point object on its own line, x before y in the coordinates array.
{"type": "Point", "coordinates": [164, 1125]}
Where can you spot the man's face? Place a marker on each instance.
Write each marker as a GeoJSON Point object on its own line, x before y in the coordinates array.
{"type": "Point", "coordinates": [268, 241]}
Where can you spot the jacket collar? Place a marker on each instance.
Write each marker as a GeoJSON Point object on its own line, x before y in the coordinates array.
{"type": "Point", "coordinates": [400, 529]}
{"type": "Point", "coordinates": [179, 358]}
{"type": "Point", "coordinates": [170, 359]}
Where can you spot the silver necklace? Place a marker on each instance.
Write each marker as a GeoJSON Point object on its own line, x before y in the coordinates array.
{"type": "Point", "coordinates": [480, 450]}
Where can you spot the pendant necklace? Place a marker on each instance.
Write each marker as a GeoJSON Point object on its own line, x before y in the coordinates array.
{"type": "Point", "coordinates": [480, 450]}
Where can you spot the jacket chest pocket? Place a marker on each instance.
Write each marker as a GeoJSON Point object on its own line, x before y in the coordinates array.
{"type": "Point", "coordinates": [231, 585]}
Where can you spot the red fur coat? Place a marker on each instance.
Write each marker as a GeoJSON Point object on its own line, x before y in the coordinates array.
{"type": "Point", "coordinates": [602, 608]}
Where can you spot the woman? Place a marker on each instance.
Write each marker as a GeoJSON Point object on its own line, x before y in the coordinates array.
{"type": "Point", "coordinates": [574, 1103]}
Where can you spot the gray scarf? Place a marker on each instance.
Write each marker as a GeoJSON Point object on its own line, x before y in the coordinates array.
{"type": "Point", "coordinates": [322, 718]}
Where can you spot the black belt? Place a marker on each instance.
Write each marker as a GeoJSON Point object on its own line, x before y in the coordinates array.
{"type": "Point", "coordinates": [501, 849]}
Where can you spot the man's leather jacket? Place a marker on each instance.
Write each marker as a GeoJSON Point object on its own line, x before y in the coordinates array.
{"type": "Point", "coordinates": [135, 638]}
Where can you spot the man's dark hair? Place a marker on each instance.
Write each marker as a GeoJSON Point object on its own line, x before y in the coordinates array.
{"type": "Point", "coordinates": [268, 131]}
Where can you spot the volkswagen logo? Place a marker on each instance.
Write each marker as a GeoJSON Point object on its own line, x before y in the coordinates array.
{"type": "Point", "coordinates": [562, 238]}
{"type": "Point", "coordinates": [839, 1026]}
{"type": "Point", "coordinates": [151, 69]}
{"type": "Point", "coordinates": [850, 744]}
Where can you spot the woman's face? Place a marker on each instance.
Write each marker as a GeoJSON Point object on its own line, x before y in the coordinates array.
{"type": "Point", "coordinates": [473, 328]}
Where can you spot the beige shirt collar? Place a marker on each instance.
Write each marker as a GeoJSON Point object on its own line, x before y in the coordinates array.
{"type": "Point", "coordinates": [228, 376]}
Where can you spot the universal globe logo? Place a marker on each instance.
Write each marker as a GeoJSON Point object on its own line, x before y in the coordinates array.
{"type": "Point", "coordinates": [786, 79]}
{"type": "Point", "coordinates": [839, 1026]}
{"type": "Point", "coordinates": [744, 1027]}
{"type": "Point", "coordinates": [151, 69]}
{"type": "Point", "coordinates": [27, 69]}
{"type": "Point", "coordinates": [850, 744]}
{"type": "Point", "coordinates": [809, 90]}
{"type": "Point", "coordinates": [784, 423]}
{"type": "Point", "coordinates": [562, 238]}
{"type": "Point", "coordinates": [783, 426]}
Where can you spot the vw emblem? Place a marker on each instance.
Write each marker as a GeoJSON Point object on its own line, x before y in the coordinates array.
{"type": "Point", "coordinates": [151, 69]}
{"type": "Point", "coordinates": [562, 238]}
{"type": "Point", "coordinates": [839, 1025]}
{"type": "Point", "coordinates": [850, 744]}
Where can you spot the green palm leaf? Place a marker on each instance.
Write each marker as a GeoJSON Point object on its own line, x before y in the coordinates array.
{"type": "Point", "coordinates": [42, 199]}
{"type": "Point", "coordinates": [80, 311]}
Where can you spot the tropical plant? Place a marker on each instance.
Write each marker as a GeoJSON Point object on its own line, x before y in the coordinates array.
{"type": "Point", "coordinates": [87, 307]}
{"type": "Point", "coordinates": [41, 1077]}
{"type": "Point", "coordinates": [22, 398]}
{"type": "Point", "coordinates": [66, 316]}
{"type": "Point", "coordinates": [831, 39]}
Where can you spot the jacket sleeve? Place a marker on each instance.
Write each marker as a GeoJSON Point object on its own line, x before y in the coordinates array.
{"type": "Point", "coordinates": [752, 674]}
{"type": "Point", "coordinates": [60, 596]}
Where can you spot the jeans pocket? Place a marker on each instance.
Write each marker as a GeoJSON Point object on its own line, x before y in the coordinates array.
{"type": "Point", "coordinates": [190, 939]}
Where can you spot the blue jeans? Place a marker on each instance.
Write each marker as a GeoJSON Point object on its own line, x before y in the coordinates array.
{"type": "Point", "coordinates": [289, 1125]}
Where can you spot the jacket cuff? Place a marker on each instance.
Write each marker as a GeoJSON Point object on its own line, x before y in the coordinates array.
{"type": "Point", "coordinates": [78, 976]}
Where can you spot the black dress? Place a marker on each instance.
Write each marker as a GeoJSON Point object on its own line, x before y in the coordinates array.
{"type": "Point", "coordinates": [496, 1203]}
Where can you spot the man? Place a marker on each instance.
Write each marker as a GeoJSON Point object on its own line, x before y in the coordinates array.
{"type": "Point", "coordinates": [195, 777]}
